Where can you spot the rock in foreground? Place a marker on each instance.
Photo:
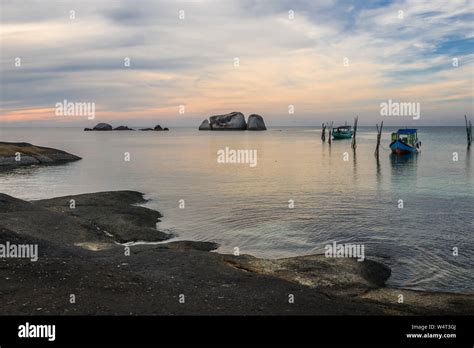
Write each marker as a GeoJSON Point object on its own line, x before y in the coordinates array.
{"type": "Point", "coordinates": [24, 154]}
{"type": "Point", "coordinates": [77, 249]}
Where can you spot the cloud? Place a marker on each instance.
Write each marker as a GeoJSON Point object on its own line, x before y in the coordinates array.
{"type": "Point", "coordinates": [282, 61]}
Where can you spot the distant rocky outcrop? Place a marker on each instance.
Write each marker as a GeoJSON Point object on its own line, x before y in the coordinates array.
{"type": "Point", "coordinates": [256, 122]}
{"type": "Point", "coordinates": [108, 127]}
{"type": "Point", "coordinates": [205, 125]}
{"type": "Point", "coordinates": [233, 121]}
{"type": "Point", "coordinates": [24, 154]}
{"type": "Point", "coordinates": [121, 128]}
{"type": "Point", "coordinates": [102, 127]}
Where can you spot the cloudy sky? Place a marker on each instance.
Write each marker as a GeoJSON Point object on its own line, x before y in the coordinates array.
{"type": "Point", "coordinates": [332, 60]}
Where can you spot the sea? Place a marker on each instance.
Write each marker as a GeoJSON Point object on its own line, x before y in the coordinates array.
{"type": "Point", "coordinates": [415, 214]}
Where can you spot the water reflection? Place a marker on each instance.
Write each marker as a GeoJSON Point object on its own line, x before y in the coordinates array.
{"type": "Point", "coordinates": [404, 168]}
{"type": "Point", "coordinates": [379, 170]}
{"type": "Point", "coordinates": [403, 162]}
{"type": "Point", "coordinates": [468, 163]}
{"type": "Point", "coordinates": [354, 163]}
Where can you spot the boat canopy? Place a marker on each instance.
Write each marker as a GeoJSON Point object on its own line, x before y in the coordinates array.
{"type": "Point", "coordinates": [407, 131]}
{"type": "Point", "coordinates": [344, 127]}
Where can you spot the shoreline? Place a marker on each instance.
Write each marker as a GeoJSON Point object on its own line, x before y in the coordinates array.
{"type": "Point", "coordinates": [14, 155]}
{"type": "Point", "coordinates": [79, 255]}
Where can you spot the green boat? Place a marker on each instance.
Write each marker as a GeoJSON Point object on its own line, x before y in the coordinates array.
{"type": "Point", "coordinates": [342, 132]}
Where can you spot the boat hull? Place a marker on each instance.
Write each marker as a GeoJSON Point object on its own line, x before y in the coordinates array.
{"type": "Point", "coordinates": [400, 148]}
{"type": "Point", "coordinates": [342, 135]}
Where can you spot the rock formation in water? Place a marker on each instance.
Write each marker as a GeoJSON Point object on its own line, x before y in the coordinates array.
{"type": "Point", "coordinates": [108, 127]}
{"type": "Point", "coordinates": [205, 125]}
{"type": "Point", "coordinates": [102, 127]}
{"type": "Point", "coordinates": [121, 128]}
{"type": "Point", "coordinates": [256, 122]}
{"type": "Point", "coordinates": [233, 121]}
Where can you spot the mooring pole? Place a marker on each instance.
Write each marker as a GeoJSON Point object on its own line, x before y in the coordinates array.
{"type": "Point", "coordinates": [379, 136]}
{"type": "Point", "coordinates": [323, 133]}
{"type": "Point", "coordinates": [330, 133]}
{"type": "Point", "coordinates": [354, 144]}
{"type": "Point", "coordinates": [468, 132]}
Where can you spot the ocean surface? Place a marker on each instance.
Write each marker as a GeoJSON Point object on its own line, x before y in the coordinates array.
{"type": "Point", "coordinates": [338, 195]}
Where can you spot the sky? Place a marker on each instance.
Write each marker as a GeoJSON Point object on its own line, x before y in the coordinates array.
{"type": "Point", "coordinates": [330, 60]}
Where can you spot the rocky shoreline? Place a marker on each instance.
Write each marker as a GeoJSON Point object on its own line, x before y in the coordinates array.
{"type": "Point", "coordinates": [24, 154]}
{"type": "Point", "coordinates": [82, 254]}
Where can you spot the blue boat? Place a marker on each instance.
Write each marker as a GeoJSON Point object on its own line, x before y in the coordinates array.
{"type": "Point", "coordinates": [405, 141]}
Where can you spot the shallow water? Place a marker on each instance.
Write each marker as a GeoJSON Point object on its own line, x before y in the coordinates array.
{"type": "Point", "coordinates": [236, 205]}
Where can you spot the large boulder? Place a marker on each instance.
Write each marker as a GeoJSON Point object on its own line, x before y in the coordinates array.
{"type": "Point", "coordinates": [256, 122]}
{"type": "Point", "coordinates": [232, 121]}
{"type": "Point", "coordinates": [102, 127]}
{"type": "Point", "coordinates": [205, 125]}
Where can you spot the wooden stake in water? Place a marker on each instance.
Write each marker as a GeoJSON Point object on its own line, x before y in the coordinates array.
{"type": "Point", "coordinates": [379, 136]}
{"type": "Point", "coordinates": [330, 133]}
{"type": "Point", "coordinates": [323, 133]}
{"type": "Point", "coordinates": [468, 132]}
{"type": "Point", "coordinates": [354, 144]}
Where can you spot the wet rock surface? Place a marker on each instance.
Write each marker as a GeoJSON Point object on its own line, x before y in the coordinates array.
{"type": "Point", "coordinates": [79, 252]}
{"type": "Point", "coordinates": [24, 154]}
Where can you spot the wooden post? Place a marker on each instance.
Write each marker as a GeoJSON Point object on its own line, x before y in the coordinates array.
{"type": "Point", "coordinates": [330, 133]}
{"type": "Point", "coordinates": [468, 132]}
{"type": "Point", "coordinates": [323, 133]}
{"type": "Point", "coordinates": [379, 136]}
{"type": "Point", "coordinates": [354, 144]}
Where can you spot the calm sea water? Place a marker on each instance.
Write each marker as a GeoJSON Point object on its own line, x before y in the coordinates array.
{"type": "Point", "coordinates": [354, 201]}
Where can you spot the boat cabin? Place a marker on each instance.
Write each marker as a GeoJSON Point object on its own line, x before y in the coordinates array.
{"type": "Point", "coordinates": [342, 129]}
{"type": "Point", "coordinates": [408, 136]}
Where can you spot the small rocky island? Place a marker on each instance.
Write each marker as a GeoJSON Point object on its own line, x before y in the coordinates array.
{"type": "Point", "coordinates": [233, 121]}
{"type": "Point", "coordinates": [108, 127]}
{"type": "Point", "coordinates": [23, 154]}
